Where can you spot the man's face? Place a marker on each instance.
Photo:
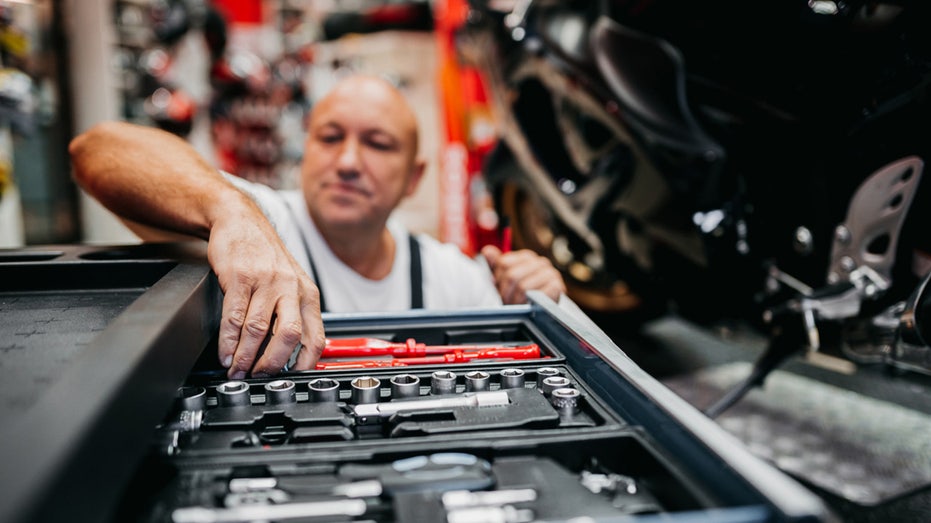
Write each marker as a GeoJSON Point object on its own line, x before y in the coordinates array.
{"type": "Point", "coordinates": [360, 156]}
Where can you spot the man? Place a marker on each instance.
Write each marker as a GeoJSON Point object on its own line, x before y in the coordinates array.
{"type": "Point", "coordinates": [360, 161]}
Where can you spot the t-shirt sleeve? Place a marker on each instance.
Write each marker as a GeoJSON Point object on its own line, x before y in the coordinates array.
{"type": "Point", "coordinates": [268, 199]}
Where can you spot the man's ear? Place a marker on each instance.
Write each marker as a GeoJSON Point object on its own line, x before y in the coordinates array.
{"type": "Point", "coordinates": [417, 170]}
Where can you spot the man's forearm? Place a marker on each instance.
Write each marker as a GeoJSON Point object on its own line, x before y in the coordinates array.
{"type": "Point", "coordinates": [154, 178]}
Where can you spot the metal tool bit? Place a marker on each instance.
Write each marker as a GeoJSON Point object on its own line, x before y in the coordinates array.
{"type": "Point", "coordinates": [270, 496]}
{"type": "Point", "coordinates": [191, 398]}
{"type": "Point", "coordinates": [376, 411]}
{"type": "Point", "coordinates": [405, 386]}
{"type": "Point", "coordinates": [566, 400]}
{"type": "Point", "coordinates": [512, 379]}
{"type": "Point", "coordinates": [477, 380]}
{"type": "Point", "coordinates": [249, 514]}
{"type": "Point", "coordinates": [456, 499]}
{"type": "Point", "coordinates": [365, 389]}
{"type": "Point", "coordinates": [443, 382]}
{"type": "Point", "coordinates": [239, 485]}
{"type": "Point", "coordinates": [552, 383]}
{"type": "Point", "coordinates": [438, 472]}
{"type": "Point", "coordinates": [505, 514]}
{"type": "Point", "coordinates": [191, 401]}
{"type": "Point", "coordinates": [233, 394]}
{"type": "Point", "coordinates": [280, 392]}
{"type": "Point", "coordinates": [322, 390]}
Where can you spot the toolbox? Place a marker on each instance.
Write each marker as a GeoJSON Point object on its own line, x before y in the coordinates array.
{"type": "Point", "coordinates": [515, 414]}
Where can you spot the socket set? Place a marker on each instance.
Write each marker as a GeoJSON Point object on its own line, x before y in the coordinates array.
{"type": "Point", "coordinates": [283, 412]}
{"type": "Point", "coordinates": [403, 421]}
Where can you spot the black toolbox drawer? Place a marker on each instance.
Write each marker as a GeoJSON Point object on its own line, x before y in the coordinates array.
{"type": "Point", "coordinates": [576, 432]}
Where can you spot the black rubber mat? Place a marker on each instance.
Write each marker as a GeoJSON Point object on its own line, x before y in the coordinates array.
{"type": "Point", "coordinates": [41, 335]}
{"type": "Point", "coordinates": [861, 449]}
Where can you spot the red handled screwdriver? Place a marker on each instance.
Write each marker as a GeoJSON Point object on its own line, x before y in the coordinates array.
{"type": "Point", "coordinates": [458, 356]}
{"type": "Point", "coordinates": [356, 347]}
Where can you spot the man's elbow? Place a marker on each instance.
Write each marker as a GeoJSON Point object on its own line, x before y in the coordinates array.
{"type": "Point", "coordinates": [83, 148]}
{"type": "Point", "coordinates": [98, 133]}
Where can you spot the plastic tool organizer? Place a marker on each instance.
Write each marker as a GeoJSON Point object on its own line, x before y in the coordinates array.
{"type": "Point", "coordinates": [574, 430]}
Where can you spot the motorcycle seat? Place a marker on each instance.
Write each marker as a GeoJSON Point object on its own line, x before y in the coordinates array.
{"type": "Point", "coordinates": [646, 75]}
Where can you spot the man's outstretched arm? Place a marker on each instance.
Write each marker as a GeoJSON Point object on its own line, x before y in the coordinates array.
{"type": "Point", "coordinates": [156, 179]}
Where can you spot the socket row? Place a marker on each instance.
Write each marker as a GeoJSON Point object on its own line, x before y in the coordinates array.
{"type": "Point", "coordinates": [367, 389]}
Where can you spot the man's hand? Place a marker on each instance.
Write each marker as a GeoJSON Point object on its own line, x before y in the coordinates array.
{"type": "Point", "coordinates": [265, 290]}
{"type": "Point", "coordinates": [520, 271]}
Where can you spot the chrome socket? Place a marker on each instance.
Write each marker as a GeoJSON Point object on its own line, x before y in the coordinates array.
{"type": "Point", "coordinates": [552, 383]}
{"type": "Point", "coordinates": [191, 398]}
{"type": "Point", "coordinates": [233, 394]}
{"type": "Point", "coordinates": [280, 392]}
{"type": "Point", "coordinates": [405, 386]}
{"type": "Point", "coordinates": [512, 379]}
{"type": "Point", "coordinates": [443, 382]}
{"type": "Point", "coordinates": [477, 380]}
{"type": "Point", "coordinates": [323, 390]}
{"type": "Point", "coordinates": [365, 389]}
{"type": "Point", "coordinates": [566, 400]}
{"type": "Point", "coordinates": [546, 372]}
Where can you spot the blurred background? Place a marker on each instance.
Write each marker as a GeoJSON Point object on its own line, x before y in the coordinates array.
{"type": "Point", "coordinates": [236, 78]}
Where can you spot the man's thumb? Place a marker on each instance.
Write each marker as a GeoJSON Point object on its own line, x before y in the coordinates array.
{"type": "Point", "coordinates": [491, 254]}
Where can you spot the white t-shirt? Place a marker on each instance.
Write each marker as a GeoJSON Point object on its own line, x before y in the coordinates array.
{"type": "Point", "coordinates": [451, 280]}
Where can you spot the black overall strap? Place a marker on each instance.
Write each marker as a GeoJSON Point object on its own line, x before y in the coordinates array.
{"type": "Point", "coordinates": [416, 274]}
{"type": "Point", "coordinates": [310, 259]}
{"type": "Point", "coordinates": [416, 265]}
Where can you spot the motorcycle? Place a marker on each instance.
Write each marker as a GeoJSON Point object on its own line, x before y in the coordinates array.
{"type": "Point", "coordinates": [759, 161]}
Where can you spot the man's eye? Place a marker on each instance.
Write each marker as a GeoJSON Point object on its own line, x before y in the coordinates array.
{"type": "Point", "coordinates": [381, 145]}
{"type": "Point", "coordinates": [329, 138]}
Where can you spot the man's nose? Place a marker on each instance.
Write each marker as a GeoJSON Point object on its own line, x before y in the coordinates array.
{"type": "Point", "coordinates": [348, 162]}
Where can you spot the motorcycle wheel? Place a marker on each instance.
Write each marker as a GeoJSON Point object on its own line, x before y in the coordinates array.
{"type": "Point", "coordinates": [534, 228]}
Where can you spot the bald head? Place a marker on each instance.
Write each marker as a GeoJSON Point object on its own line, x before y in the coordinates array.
{"type": "Point", "coordinates": [377, 96]}
{"type": "Point", "coordinates": [360, 159]}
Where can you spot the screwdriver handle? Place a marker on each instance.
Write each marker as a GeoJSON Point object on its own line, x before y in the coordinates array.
{"type": "Point", "coordinates": [361, 347]}
{"type": "Point", "coordinates": [507, 353]}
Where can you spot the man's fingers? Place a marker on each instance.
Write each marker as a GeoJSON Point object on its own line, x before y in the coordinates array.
{"type": "Point", "coordinates": [287, 332]}
{"type": "Point", "coordinates": [514, 269]}
{"type": "Point", "coordinates": [491, 254]}
{"type": "Point", "coordinates": [548, 281]}
{"type": "Point", "coordinates": [254, 330]}
{"type": "Point", "coordinates": [232, 319]}
{"type": "Point", "coordinates": [520, 271]}
{"type": "Point", "coordinates": [314, 338]}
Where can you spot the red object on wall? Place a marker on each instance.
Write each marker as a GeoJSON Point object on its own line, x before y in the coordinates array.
{"type": "Point", "coordinates": [470, 135]}
{"type": "Point", "coordinates": [240, 11]}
